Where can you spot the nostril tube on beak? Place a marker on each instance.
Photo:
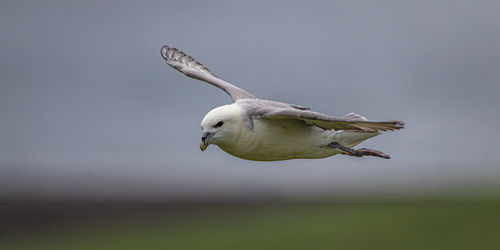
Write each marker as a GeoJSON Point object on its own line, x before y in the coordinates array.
{"type": "Point", "coordinates": [205, 136]}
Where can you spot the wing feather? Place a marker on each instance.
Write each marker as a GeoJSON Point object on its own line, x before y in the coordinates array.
{"type": "Point", "coordinates": [192, 68]}
{"type": "Point", "coordinates": [328, 122]}
{"type": "Point", "coordinates": [274, 110]}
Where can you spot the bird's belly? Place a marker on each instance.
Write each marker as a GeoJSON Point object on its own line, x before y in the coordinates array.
{"type": "Point", "coordinates": [277, 140]}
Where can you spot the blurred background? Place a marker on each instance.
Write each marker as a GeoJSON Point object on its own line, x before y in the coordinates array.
{"type": "Point", "coordinates": [99, 137]}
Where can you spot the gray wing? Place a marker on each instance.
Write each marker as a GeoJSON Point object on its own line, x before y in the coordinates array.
{"type": "Point", "coordinates": [190, 67]}
{"type": "Point", "coordinates": [273, 110]}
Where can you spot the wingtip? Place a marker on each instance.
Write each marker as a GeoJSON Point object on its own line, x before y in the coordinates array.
{"type": "Point", "coordinates": [164, 50]}
{"type": "Point", "coordinates": [399, 124]}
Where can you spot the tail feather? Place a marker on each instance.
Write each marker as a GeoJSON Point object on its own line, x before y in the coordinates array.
{"type": "Point", "coordinates": [352, 117]}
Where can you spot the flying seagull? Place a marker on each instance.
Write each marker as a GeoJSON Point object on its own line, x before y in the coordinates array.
{"type": "Point", "coordinates": [261, 130]}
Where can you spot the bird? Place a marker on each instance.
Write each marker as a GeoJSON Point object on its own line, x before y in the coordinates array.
{"type": "Point", "coordinates": [263, 130]}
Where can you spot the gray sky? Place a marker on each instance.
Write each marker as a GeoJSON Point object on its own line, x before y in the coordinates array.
{"type": "Point", "coordinates": [87, 104]}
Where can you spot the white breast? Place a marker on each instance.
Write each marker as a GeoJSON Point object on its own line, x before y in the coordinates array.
{"type": "Point", "coordinates": [271, 140]}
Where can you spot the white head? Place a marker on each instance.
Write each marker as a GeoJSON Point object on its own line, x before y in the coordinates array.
{"type": "Point", "coordinates": [221, 125]}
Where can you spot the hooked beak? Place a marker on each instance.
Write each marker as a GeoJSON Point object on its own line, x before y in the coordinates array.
{"type": "Point", "coordinates": [206, 138]}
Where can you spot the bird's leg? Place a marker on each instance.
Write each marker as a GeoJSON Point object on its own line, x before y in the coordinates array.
{"type": "Point", "coordinates": [358, 152]}
{"type": "Point", "coordinates": [343, 148]}
{"type": "Point", "coordinates": [366, 151]}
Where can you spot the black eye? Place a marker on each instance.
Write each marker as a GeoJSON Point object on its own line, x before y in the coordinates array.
{"type": "Point", "coordinates": [218, 124]}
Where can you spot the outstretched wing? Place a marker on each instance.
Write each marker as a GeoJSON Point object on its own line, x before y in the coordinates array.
{"type": "Point", "coordinates": [328, 122]}
{"type": "Point", "coordinates": [270, 110]}
{"type": "Point", "coordinates": [190, 67]}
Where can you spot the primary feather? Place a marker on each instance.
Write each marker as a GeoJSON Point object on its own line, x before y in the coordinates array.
{"type": "Point", "coordinates": [190, 67]}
